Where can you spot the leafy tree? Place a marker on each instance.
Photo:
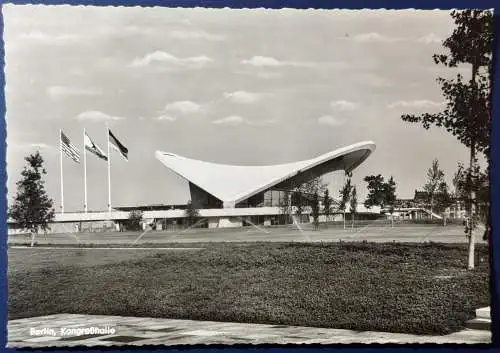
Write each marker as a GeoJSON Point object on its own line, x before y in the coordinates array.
{"type": "Point", "coordinates": [390, 197]}
{"type": "Point", "coordinates": [298, 202]}
{"type": "Point", "coordinates": [312, 186]}
{"type": "Point", "coordinates": [380, 192]}
{"type": "Point", "coordinates": [134, 221]}
{"type": "Point", "coordinates": [327, 205]}
{"type": "Point", "coordinates": [435, 179]}
{"type": "Point", "coordinates": [478, 184]}
{"type": "Point", "coordinates": [32, 209]}
{"type": "Point", "coordinates": [192, 214]}
{"type": "Point", "coordinates": [442, 200]}
{"type": "Point", "coordinates": [315, 210]}
{"type": "Point", "coordinates": [467, 114]}
{"type": "Point", "coordinates": [285, 206]}
{"type": "Point", "coordinates": [345, 195]}
{"type": "Point", "coordinates": [354, 204]}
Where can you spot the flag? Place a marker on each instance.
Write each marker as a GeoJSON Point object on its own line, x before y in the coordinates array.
{"type": "Point", "coordinates": [68, 148]}
{"type": "Point", "coordinates": [117, 145]}
{"type": "Point", "coordinates": [93, 148]}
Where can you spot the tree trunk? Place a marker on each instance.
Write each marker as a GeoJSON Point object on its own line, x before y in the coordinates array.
{"type": "Point", "coordinates": [472, 196]}
{"type": "Point", "coordinates": [344, 219]}
{"type": "Point", "coordinates": [32, 239]}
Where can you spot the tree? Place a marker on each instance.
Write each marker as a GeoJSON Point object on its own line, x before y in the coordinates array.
{"type": "Point", "coordinates": [435, 179]}
{"type": "Point", "coordinates": [479, 184]}
{"type": "Point", "coordinates": [315, 210]}
{"type": "Point", "coordinates": [380, 193]}
{"type": "Point", "coordinates": [327, 205]}
{"type": "Point", "coordinates": [192, 214]}
{"type": "Point", "coordinates": [298, 201]}
{"type": "Point", "coordinates": [345, 195]}
{"type": "Point", "coordinates": [285, 206]}
{"type": "Point", "coordinates": [313, 185]}
{"type": "Point", "coordinates": [353, 204]}
{"type": "Point", "coordinates": [32, 210]}
{"type": "Point", "coordinates": [390, 197]}
{"type": "Point", "coordinates": [443, 200]}
{"type": "Point", "coordinates": [134, 221]}
{"type": "Point", "coordinates": [467, 114]}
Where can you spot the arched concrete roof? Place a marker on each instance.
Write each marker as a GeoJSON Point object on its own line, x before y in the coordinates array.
{"type": "Point", "coordinates": [232, 184]}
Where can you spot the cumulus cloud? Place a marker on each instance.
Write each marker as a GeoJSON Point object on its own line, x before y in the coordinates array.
{"type": "Point", "coordinates": [58, 92]}
{"type": "Point", "coordinates": [184, 107]}
{"type": "Point", "coordinates": [196, 34]}
{"type": "Point", "coordinates": [343, 105]}
{"type": "Point", "coordinates": [40, 145]}
{"type": "Point", "coordinates": [265, 122]}
{"type": "Point", "coordinates": [266, 61]}
{"type": "Point", "coordinates": [243, 97]}
{"type": "Point", "coordinates": [162, 57]}
{"type": "Point", "coordinates": [168, 118]}
{"type": "Point", "coordinates": [424, 103]}
{"type": "Point", "coordinates": [30, 146]}
{"type": "Point", "coordinates": [47, 38]}
{"type": "Point", "coordinates": [374, 37]}
{"type": "Point", "coordinates": [231, 120]}
{"type": "Point", "coordinates": [262, 61]}
{"type": "Point", "coordinates": [430, 39]}
{"type": "Point", "coordinates": [330, 121]}
{"type": "Point", "coordinates": [238, 120]}
{"type": "Point", "coordinates": [93, 115]}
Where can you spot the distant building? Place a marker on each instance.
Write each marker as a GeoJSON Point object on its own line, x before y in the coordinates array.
{"type": "Point", "coordinates": [233, 196]}
{"type": "Point", "coordinates": [419, 207]}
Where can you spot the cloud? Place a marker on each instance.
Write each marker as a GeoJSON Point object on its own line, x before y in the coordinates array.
{"type": "Point", "coordinates": [238, 120]}
{"type": "Point", "coordinates": [49, 38]}
{"type": "Point", "coordinates": [41, 146]}
{"type": "Point", "coordinates": [430, 39]}
{"type": "Point", "coordinates": [330, 121]}
{"type": "Point", "coordinates": [343, 105]}
{"type": "Point", "coordinates": [196, 34]}
{"type": "Point", "coordinates": [231, 120]}
{"type": "Point", "coordinates": [184, 107]}
{"type": "Point", "coordinates": [168, 118]}
{"type": "Point", "coordinates": [25, 146]}
{"type": "Point", "coordinates": [415, 104]}
{"type": "Point", "coordinates": [374, 37]}
{"type": "Point", "coordinates": [265, 122]}
{"type": "Point", "coordinates": [243, 97]}
{"type": "Point", "coordinates": [260, 61]}
{"type": "Point", "coordinates": [93, 115]}
{"type": "Point", "coordinates": [166, 58]}
{"type": "Point", "coordinates": [58, 92]}
{"type": "Point", "coordinates": [266, 61]}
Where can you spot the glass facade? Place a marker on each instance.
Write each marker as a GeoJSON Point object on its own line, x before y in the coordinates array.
{"type": "Point", "coordinates": [275, 198]}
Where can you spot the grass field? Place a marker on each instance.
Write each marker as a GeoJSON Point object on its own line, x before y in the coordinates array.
{"type": "Point", "coordinates": [410, 288]}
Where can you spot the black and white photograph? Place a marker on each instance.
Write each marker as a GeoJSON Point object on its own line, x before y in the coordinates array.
{"type": "Point", "coordinates": [187, 176]}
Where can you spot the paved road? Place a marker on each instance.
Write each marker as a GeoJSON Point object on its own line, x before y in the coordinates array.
{"type": "Point", "coordinates": [403, 233]}
{"type": "Point", "coordinates": [149, 331]}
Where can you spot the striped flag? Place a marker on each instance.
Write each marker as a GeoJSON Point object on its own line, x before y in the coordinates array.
{"type": "Point", "coordinates": [117, 145]}
{"type": "Point", "coordinates": [93, 148]}
{"type": "Point", "coordinates": [68, 148]}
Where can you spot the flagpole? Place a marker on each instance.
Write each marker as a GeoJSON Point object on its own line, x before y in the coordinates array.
{"type": "Point", "coordinates": [61, 164]}
{"type": "Point", "coordinates": [109, 173]}
{"type": "Point", "coordinates": [84, 172]}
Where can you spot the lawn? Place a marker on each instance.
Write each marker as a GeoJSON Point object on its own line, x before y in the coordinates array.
{"type": "Point", "coordinates": [393, 287]}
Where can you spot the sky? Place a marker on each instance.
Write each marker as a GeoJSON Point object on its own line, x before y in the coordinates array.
{"type": "Point", "coordinates": [245, 87]}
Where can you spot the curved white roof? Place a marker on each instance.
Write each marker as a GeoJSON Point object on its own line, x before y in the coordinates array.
{"type": "Point", "coordinates": [232, 184]}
